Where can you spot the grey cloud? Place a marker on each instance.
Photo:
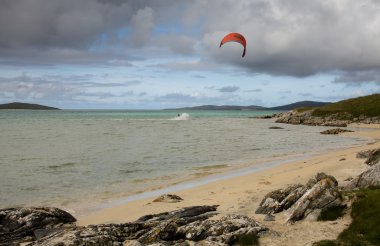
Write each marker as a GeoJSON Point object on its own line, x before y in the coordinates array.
{"type": "Point", "coordinates": [192, 65]}
{"type": "Point", "coordinates": [82, 31]}
{"type": "Point", "coordinates": [254, 90]}
{"type": "Point", "coordinates": [184, 99]}
{"type": "Point", "coordinates": [142, 26]}
{"type": "Point", "coordinates": [199, 76]}
{"type": "Point", "coordinates": [229, 89]}
{"type": "Point", "coordinates": [180, 44]}
{"type": "Point", "coordinates": [358, 77]}
{"type": "Point", "coordinates": [305, 94]}
{"type": "Point", "coordinates": [30, 88]}
{"type": "Point", "coordinates": [285, 37]}
{"type": "Point", "coordinates": [297, 38]}
{"type": "Point", "coordinates": [177, 97]}
{"type": "Point", "coordinates": [59, 88]}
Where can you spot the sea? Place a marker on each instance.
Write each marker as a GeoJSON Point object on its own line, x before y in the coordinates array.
{"type": "Point", "coordinates": [73, 158]}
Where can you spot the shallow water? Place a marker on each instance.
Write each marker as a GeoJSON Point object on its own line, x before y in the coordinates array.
{"type": "Point", "coordinates": [62, 158]}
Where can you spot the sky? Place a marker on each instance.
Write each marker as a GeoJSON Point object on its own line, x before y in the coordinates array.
{"type": "Point", "coordinates": [155, 54]}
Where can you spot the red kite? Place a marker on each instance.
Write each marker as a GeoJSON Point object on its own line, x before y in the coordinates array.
{"type": "Point", "coordinates": [235, 37]}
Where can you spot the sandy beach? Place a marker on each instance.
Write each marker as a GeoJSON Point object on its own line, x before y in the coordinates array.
{"type": "Point", "coordinates": [242, 194]}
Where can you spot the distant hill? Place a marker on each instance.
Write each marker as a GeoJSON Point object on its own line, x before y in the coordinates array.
{"type": "Point", "coordinates": [223, 107]}
{"type": "Point", "coordinates": [255, 107]}
{"type": "Point", "coordinates": [301, 104]}
{"type": "Point", "coordinates": [361, 106]}
{"type": "Point", "coordinates": [18, 105]}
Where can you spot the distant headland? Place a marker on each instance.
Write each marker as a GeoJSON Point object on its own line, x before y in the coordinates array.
{"type": "Point", "coordinates": [255, 107]}
{"type": "Point", "coordinates": [18, 105]}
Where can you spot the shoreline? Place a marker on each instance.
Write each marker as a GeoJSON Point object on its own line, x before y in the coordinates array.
{"type": "Point", "coordinates": [240, 191]}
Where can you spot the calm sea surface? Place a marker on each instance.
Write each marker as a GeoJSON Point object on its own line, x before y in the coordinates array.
{"type": "Point", "coordinates": [60, 158]}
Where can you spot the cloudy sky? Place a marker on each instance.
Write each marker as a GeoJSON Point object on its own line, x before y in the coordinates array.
{"type": "Point", "coordinates": [151, 54]}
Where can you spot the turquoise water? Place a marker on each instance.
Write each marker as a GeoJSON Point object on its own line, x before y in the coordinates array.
{"type": "Point", "coordinates": [128, 114]}
{"type": "Point", "coordinates": [67, 158]}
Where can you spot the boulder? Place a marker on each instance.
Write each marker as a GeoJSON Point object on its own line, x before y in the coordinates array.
{"type": "Point", "coordinates": [24, 224]}
{"type": "Point", "coordinates": [303, 201]}
{"type": "Point", "coordinates": [221, 232]}
{"type": "Point", "coordinates": [322, 194]}
{"type": "Point", "coordinates": [170, 198]}
{"type": "Point", "coordinates": [335, 131]}
{"type": "Point", "coordinates": [368, 178]}
{"type": "Point", "coordinates": [372, 156]}
{"type": "Point", "coordinates": [281, 199]}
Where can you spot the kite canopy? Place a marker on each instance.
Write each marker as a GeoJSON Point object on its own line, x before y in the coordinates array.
{"type": "Point", "coordinates": [234, 37]}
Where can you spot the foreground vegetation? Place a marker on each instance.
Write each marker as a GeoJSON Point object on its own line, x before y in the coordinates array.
{"type": "Point", "coordinates": [365, 226]}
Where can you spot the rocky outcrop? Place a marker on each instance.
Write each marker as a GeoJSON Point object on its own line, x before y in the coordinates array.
{"type": "Point", "coordinates": [372, 156]}
{"type": "Point", "coordinates": [368, 178]}
{"type": "Point", "coordinates": [306, 118]}
{"type": "Point", "coordinates": [281, 199]}
{"type": "Point", "coordinates": [337, 119]}
{"type": "Point", "coordinates": [320, 196]}
{"type": "Point", "coordinates": [170, 198]}
{"type": "Point", "coordinates": [302, 201]}
{"type": "Point", "coordinates": [25, 224]}
{"type": "Point", "coordinates": [180, 227]}
{"type": "Point", "coordinates": [335, 131]}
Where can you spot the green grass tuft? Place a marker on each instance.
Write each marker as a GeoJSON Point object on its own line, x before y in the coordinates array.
{"type": "Point", "coordinates": [326, 243]}
{"type": "Point", "coordinates": [365, 226]}
{"type": "Point", "coordinates": [246, 240]}
{"type": "Point", "coordinates": [332, 213]}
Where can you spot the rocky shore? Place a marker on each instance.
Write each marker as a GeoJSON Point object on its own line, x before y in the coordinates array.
{"type": "Point", "coordinates": [337, 120]}
{"type": "Point", "coordinates": [194, 225]}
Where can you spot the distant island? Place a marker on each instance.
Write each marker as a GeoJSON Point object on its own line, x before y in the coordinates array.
{"type": "Point", "coordinates": [255, 107]}
{"type": "Point", "coordinates": [18, 105]}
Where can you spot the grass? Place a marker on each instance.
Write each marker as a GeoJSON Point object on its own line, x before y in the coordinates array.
{"type": "Point", "coordinates": [246, 240]}
{"type": "Point", "coordinates": [303, 109]}
{"type": "Point", "coordinates": [347, 109]}
{"type": "Point", "coordinates": [332, 213]}
{"type": "Point", "coordinates": [365, 226]}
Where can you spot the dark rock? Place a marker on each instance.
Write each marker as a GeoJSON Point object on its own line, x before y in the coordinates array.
{"type": "Point", "coordinates": [281, 199]}
{"type": "Point", "coordinates": [264, 116]}
{"type": "Point", "coordinates": [187, 214]}
{"type": "Point", "coordinates": [335, 131]}
{"type": "Point", "coordinates": [269, 217]}
{"type": "Point", "coordinates": [306, 118]}
{"type": "Point", "coordinates": [221, 232]}
{"type": "Point", "coordinates": [168, 198]}
{"type": "Point", "coordinates": [178, 227]}
{"type": "Point", "coordinates": [342, 159]}
{"type": "Point", "coordinates": [302, 201]}
{"type": "Point", "coordinates": [17, 224]}
{"type": "Point", "coordinates": [368, 178]}
{"type": "Point", "coordinates": [322, 194]}
{"type": "Point", "coordinates": [275, 127]}
{"type": "Point", "coordinates": [318, 177]}
{"type": "Point", "coordinates": [372, 156]}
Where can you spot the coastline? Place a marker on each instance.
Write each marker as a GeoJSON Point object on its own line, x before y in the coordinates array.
{"type": "Point", "coordinates": [242, 192]}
